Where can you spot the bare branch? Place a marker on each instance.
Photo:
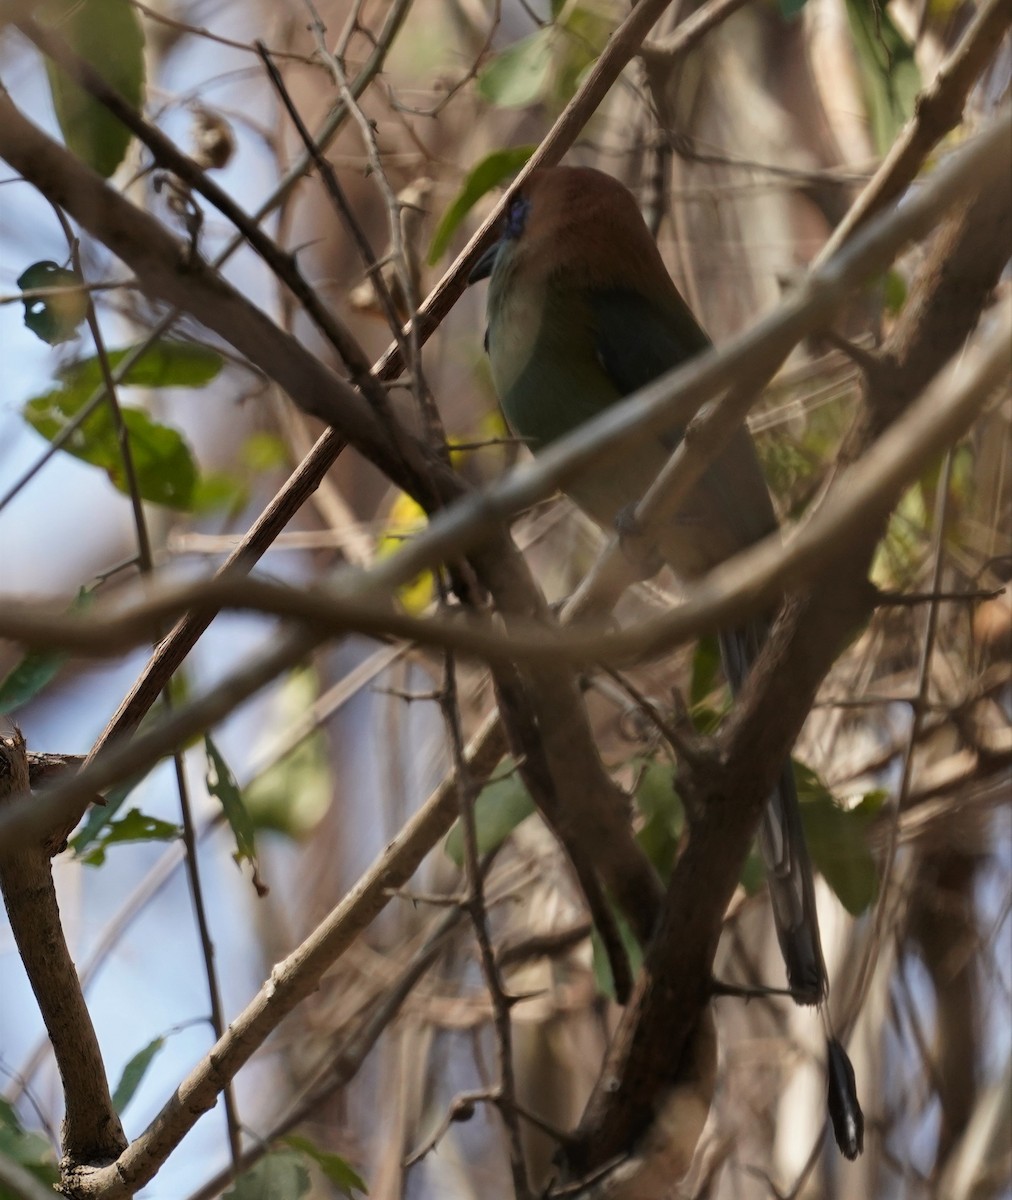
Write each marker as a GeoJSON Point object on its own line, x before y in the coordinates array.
{"type": "Point", "coordinates": [92, 1134]}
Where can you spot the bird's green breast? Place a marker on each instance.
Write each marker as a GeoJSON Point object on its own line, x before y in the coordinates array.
{"type": "Point", "coordinates": [560, 356]}
{"type": "Point", "coordinates": [542, 351]}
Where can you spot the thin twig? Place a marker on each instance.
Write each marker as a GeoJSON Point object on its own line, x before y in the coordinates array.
{"type": "Point", "coordinates": [328, 177]}
{"type": "Point", "coordinates": [467, 791]}
{"type": "Point", "coordinates": [887, 901]}
{"type": "Point", "coordinates": [937, 110]}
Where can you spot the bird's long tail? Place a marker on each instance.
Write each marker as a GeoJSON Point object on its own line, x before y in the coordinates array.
{"type": "Point", "coordinates": [783, 847]}
{"type": "Point", "coordinates": [792, 891]}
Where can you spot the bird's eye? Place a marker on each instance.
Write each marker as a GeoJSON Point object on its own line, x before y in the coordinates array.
{"type": "Point", "coordinates": [516, 216]}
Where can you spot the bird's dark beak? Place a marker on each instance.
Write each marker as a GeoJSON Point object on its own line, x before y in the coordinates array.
{"type": "Point", "coordinates": [482, 269]}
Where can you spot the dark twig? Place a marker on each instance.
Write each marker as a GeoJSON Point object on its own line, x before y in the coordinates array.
{"type": "Point", "coordinates": [505, 1090]}
{"type": "Point", "coordinates": [328, 177]}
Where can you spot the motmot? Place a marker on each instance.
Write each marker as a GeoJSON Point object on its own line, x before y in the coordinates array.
{"type": "Point", "coordinates": [582, 312]}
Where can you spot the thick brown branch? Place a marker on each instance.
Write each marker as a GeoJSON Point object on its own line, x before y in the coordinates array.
{"type": "Point", "coordinates": [92, 1134]}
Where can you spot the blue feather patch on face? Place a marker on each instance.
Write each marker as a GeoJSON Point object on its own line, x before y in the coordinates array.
{"type": "Point", "coordinates": [516, 217]}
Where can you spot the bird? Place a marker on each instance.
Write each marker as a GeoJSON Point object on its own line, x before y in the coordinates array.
{"type": "Point", "coordinates": [581, 312]}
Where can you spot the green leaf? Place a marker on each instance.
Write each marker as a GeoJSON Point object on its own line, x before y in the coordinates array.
{"type": "Point", "coordinates": [222, 784]}
{"type": "Point", "coordinates": [899, 554]}
{"type": "Point", "coordinates": [99, 816]}
{"type": "Point", "coordinates": [218, 491]}
{"type": "Point", "coordinates": [661, 806]}
{"type": "Point", "coordinates": [838, 840]}
{"type": "Point", "coordinates": [55, 318]}
{"type": "Point", "coordinates": [108, 35]}
{"type": "Point", "coordinates": [29, 1150]}
{"type": "Point", "coordinates": [520, 74]}
{"type": "Point", "coordinates": [583, 34]}
{"type": "Point", "coordinates": [265, 452]}
{"type": "Point", "coordinates": [603, 980]}
{"type": "Point", "coordinates": [292, 795]}
{"type": "Point", "coordinates": [888, 69]}
{"type": "Point", "coordinates": [501, 805]}
{"type": "Point", "coordinates": [280, 1175]}
{"type": "Point", "coordinates": [705, 665]}
{"type": "Point", "coordinates": [163, 364]}
{"type": "Point", "coordinates": [27, 678]}
{"type": "Point", "coordinates": [894, 292]}
{"type": "Point", "coordinates": [134, 827]}
{"type": "Point", "coordinates": [134, 1072]}
{"type": "Point", "coordinates": [491, 171]}
{"type": "Point", "coordinates": [789, 9]}
{"type": "Point", "coordinates": [166, 471]}
{"type": "Point", "coordinates": [333, 1166]}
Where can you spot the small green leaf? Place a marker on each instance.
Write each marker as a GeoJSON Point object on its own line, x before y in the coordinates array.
{"type": "Point", "coordinates": [888, 69]}
{"type": "Point", "coordinates": [134, 1072]}
{"type": "Point", "coordinates": [789, 9]}
{"type": "Point", "coordinates": [706, 719]}
{"type": "Point", "coordinates": [333, 1166]}
{"type": "Point", "coordinates": [292, 795]}
{"type": "Point", "coordinates": [705, 665]}
{"type": "Point", "coordinates": [899, 554]}
{"type": "Point", "coordinates": [37, 669]}
{"type": "Point", "coordinates": [584, 30]}
{"type": "Point", "coordinates": [25, 680]}
{"type": "Point", "coordinates": [264, 452]}
{"type": "Point", "coordinates": [661, 807]}
{"type": "Point", "coordinates": [99, 816]}
{"type": "Point", "coordinates": [218, 491]}
{"type": "Point", "coordinates": [30, 1150]}
{"type": "Point", "coordinates": [491, 171]}
{"type": "Point", "coordinates": [108, 35]}
{"type": "Point", "coordinates": [838, 840]}
{"type": "Point", "coordinates": [603, 980]}
{"type": "Point", "coordinates": [134, 827]}
{"type": "Point", "coordinates": [54, 318]}
{"type": "Point", "coordinates": [519, 75]}
{"type": "Point", "coordinates": [280, 1175]}
{"type": "Point", "coordinates": [163, 364]}
{"type": "Point", "coordinates": [501, 805]}
{"type": "Point", "coordinates": [222, 784]}
{"type": "Point", "coordinates": [166, 471]}
{"type": "Point", "coordinates": [894, 292]}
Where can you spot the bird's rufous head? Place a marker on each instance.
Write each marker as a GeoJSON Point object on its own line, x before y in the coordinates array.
{"type": "Point", "coordinates": [579, 223]}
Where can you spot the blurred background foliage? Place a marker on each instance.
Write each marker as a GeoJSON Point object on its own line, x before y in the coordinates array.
{"type": "Point", "coordinates": [744, 156]}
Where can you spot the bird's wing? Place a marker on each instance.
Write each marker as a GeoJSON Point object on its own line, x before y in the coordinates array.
{"type": "Point", "coordinates": [638, 340]}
